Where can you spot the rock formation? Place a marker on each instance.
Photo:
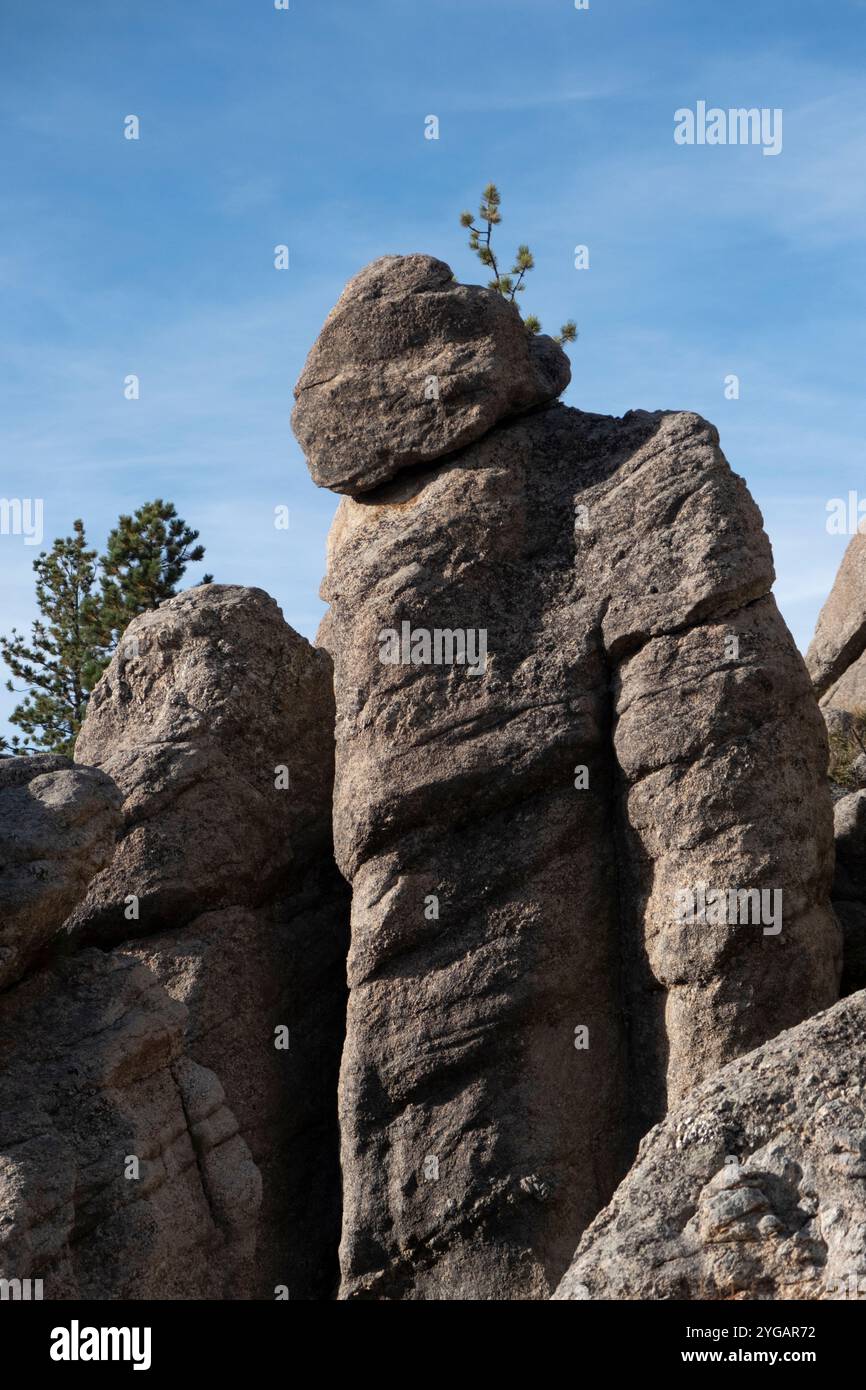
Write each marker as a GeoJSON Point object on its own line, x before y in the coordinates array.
{"type": "Point", "coordinates": [57, 828]}
{"type": "Point", "coordinates": [837, 664]}
{"type": "Point", "coordinates": [752, 1187]}
{"type": "Point", "coordinates": [122, 1172]}
{"type": "Point", "coordinates": [215, 720]}
{"type": "Point", "coordinates": [565, 699]}
{"type": "Point", "coordinates": [204, 1044]}
{"type": "Point", "coordinates": [242, 975]}
{"type": "Point", "coordinates": [839, 643]}
{"type": "Point", "coordinates": [849, 887]}
{"type": "Point", "coordinates": [580, 797]}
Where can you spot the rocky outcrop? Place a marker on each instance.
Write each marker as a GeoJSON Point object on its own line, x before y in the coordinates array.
{"type": "Point", "coordinates": [837, 664]}
{"type": "Point", "coordinates": [839, 642]}
{"type": "Point", "coordinates": [57, 829]}
{"type": "Point", "coordinates": [565, 699]}
{"type": "Point", "coordinates": [122, 1171]}
{"type": "Point", "coordinates": [204, 1040]}
{"type": "Point", "coordinates": [581, 801]}
{"type": "Point", "coordinates": [752, 1187]}
{"type": "Point", "coordinates": [411, 366]}
{"type": "Point", "coordinates": [265, 1013]}
{"type": "Point", "coordinates": [215, 719]}
{"type": "Point", "coordinates": [849, 887]}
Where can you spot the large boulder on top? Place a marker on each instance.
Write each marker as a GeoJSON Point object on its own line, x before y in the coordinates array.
{"type": "Point", "coordinates": [753, 1187]}
{"type": "Point", "coordinates": [58, 825]}
{"type": "Point", "coordinates": [411, 366]}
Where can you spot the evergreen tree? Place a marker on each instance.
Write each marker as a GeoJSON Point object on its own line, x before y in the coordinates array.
{"type": "Point", "coordinates": [65, 655]}
{"type": "Point", "coordinates": [145, 559]}
{"type": "Point", "coordinates": [509, 284]}
{"type": "Point", "coordinates": [81, 620]}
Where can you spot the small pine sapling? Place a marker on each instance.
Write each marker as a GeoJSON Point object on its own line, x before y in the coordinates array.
{"type": "Point", "coordinates": [508, 283]}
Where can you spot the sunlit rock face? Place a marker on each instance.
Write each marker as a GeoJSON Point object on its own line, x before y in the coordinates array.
{"type": "Point", "coordinates": [565, 701]}
{"type": "Point", "coordinates": [752, 1187]}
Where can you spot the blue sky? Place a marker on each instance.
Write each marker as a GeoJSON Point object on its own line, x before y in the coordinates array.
{"type": "Point", "coordinates": [306, 127]}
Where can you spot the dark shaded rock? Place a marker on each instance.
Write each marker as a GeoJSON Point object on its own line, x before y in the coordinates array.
{"type": "Point", "coordinates": [94, 1081]}
{"type": "Point", "coordinates": [837, 664]}
{"type": "Point", "coordinates": [852, 919]}
{"type": "Point", "coordinates": [849, 887]}
{"type": "Point", "coordinates": [242, 976]}
{"type": "Point", "coordinates": [849, 816]}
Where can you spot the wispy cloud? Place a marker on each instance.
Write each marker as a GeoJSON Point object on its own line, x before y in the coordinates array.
{"type": "Point", "coordinates": [307, 127]}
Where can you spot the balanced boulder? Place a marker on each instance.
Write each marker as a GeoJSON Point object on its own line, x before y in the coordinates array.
{"type": "Point", "coordinates": [411, 366]}
{"type": "Point", "coordinates": [566, 704]}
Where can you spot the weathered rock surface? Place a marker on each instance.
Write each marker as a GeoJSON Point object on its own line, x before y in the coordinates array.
{"type": "Point", "coordinates": [565, 700]}
{"type": "Point", "coordinates": [166, 1048]}
{"type": "Point", "coordinates": [411, 366]}
{"type": "Point", "coordinates": [243, 975]}
{"type": "Point", "coordinates": [57, 829]}
{"type": "Point", "coordinates": [215, 720]}
{"type": "Point", "coordinates": [837, 664]}
{"type": "Point", "coordinates": [849, 887]}
{"type": "Point", "coordinates": [840, 633]}
{"type": "Point", "coordinates": [501, 901]}
{"type": "Point", "coordinates": [94, 1080]}
{"type": "Point", "coordinates": [752, 1187]}
{"type": "Point", "coordinates": [836, 658]}
{"type": "Point", "coordinates": [846, 696]}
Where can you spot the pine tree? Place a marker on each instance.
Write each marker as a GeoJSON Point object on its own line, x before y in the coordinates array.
{"type": "Point", "coordinates": [65, 655]}
{"type": "Point", "coordinates": [82, 620]}
{"type": "Point", "coordinates": [509, 284]}
{"type": "Point", "coordinates": [145, 559]}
